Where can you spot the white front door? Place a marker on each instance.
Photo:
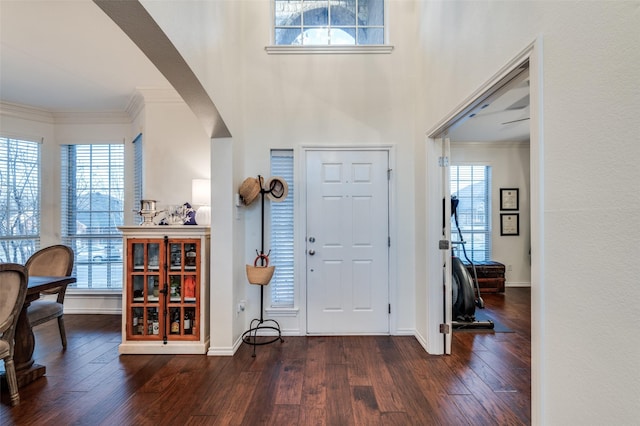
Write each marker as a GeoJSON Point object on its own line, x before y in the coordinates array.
{"type": "Point", "coordinates": [347, 241]}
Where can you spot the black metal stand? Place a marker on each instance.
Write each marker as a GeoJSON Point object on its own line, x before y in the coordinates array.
{"type": "Point", "coordinates": [250, 337]}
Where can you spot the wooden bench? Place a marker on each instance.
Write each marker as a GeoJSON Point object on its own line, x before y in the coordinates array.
{"type": "Point", "coordinates": [490, 276]}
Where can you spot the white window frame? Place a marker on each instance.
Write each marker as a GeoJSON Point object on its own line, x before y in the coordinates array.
{"type": "Point", "coordinates": [18, 247]}
{"type": "Point", "coordinates": [384, 48]}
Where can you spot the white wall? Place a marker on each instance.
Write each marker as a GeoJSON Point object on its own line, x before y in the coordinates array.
{"type": "Point", "coordinates": [584, 300]}
{"type": "Point", "coordinates": [176, 150]}
{"type": "Point", "coordinates": [509, 169]}
{"type": "Point", "coordinates": [289, 101]}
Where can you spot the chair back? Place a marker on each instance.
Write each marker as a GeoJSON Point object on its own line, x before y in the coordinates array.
{"type": "Point", "coordinates": [13, 290]}
{"type": "Point", "coordinates": [53, 261]}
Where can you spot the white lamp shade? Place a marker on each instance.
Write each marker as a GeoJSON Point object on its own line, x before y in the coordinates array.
{"type": "Point", "coordinates": [201, 192]}
{"type": "Point", "coordinates": [201, 197]}
{"type": "Point", "coordinates": [203, 216]}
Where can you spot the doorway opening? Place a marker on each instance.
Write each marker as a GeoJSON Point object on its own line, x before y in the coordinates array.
{"type": "Point", "coordinates": [529, 61]}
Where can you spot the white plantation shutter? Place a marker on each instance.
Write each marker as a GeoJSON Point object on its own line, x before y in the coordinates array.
{"type": "Point", "coordinates": [281, 244]}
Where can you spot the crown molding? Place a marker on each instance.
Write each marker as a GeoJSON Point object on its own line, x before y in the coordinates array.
{"type": "Point", "coordinates": [24, 112]}
{"type": "Point", "coordinates": [158, 95]}
{"type": "Point", "coordinates": [105, 117]}
{"type": "Point", "coordinates": [135, 105]}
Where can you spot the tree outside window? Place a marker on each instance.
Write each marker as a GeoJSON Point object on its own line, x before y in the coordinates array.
{"type": "Point", "coordinates": [19, 199]}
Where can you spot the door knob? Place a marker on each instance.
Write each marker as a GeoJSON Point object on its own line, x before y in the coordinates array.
{"type": "Point", "coordinates": [312, 252]}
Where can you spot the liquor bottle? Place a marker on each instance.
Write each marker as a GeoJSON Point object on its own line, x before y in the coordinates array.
{"type": "Point", "coordinates": [187, 322]}
{"type": "Point", "coordinates": [175, 322]}
{"type": "Point", "coordinates": [156, 324]}
{"type": "Point", "coordinates": [190, 256]}
{"type": "Point", "coordinates": [140, 325]}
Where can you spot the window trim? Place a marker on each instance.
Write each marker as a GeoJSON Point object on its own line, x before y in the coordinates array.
{"type": "Point", "coordinates": [336, 49]}
{"type": "Point", "coordinates": [278, 49]}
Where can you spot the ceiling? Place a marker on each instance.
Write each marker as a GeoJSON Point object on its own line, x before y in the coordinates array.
{"type": "Point", "coordinates": [69, 56]}
{"type": "Point", "coordinates": [501, 116]}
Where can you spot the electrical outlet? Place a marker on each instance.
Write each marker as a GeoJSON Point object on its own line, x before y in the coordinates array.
{"type": "Point", "coordinates": [509, 268]}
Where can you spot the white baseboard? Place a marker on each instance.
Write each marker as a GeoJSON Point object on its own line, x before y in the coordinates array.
{"type": "Point", "coordinates": [517, 284]}
{"type": "Point", "coordinates": [96, 303]}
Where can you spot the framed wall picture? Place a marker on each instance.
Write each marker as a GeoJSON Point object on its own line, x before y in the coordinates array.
{"type": "Point", "coordinates": [509, 224]}
{"type": "Point", "coordinates": [509, 199]}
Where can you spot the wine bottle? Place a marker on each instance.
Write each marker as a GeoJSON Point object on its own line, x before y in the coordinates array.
{"type": "Point", "coordinates": [187, 322]}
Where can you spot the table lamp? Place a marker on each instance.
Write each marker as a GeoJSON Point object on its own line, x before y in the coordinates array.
{"type": "Point", "coordinates": [201, 197]}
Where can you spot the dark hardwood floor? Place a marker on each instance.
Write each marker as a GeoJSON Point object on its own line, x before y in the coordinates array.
{"type": "Point", "coordinates": [356, 380]}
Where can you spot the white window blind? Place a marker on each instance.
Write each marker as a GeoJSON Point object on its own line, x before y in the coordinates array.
{"type": "Point", "coordinates": [92, 208]}
{"type": "Point", "coordinates": [281, 244]}
{"type": "Point", "coordinates": [19, 199]}
{"type": "Point", "coordinates": [471, 185]}
{"type": "Point", "coordinates": [137, 178]}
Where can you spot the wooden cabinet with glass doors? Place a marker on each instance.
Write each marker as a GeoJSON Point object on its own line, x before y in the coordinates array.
{"type": "Point", "coordinates": [165, 290]}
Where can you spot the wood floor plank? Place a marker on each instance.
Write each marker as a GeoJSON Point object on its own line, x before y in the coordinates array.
{"type": "Point", "coordinates": [338, 408]}
{"type": "Point", "coordinates": [365, 407]}
{"type": "Point", "coordinates": [358, 367]}
{"type": "Point", "coordinates": [290, 379]}
{"type": "Point", "coordinates": [286, 415]}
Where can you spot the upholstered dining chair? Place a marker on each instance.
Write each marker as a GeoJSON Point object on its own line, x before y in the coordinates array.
{"type": "Point", "coordinates": [53, 261]}
{"type": "Point", "coordinates": [13, 290]}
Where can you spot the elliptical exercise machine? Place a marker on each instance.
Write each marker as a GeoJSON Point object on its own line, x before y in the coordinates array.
{"type": "Point", "coordinates": [462, 284]}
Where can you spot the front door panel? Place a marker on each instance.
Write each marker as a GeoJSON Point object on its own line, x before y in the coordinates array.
{"type": "Point", "coordinates": [347, 242]}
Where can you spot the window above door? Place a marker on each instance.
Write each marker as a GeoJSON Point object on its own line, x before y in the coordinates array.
{"type": "Point", "coordinates": [327, 26]}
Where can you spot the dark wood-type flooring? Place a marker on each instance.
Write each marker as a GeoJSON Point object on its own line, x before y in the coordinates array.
{"type": "Point", "coordinates": [355, 380]}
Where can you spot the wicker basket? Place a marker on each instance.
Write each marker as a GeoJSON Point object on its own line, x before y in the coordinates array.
{"type": "Point", "coordinates": [260, 275]}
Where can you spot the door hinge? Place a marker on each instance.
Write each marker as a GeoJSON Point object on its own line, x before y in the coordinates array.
{"type": "Point", "coordinates": [443, 161]}
{"type": "Point", "coordinates": [445, 329]}
{"type": "Point", "coordinates": [389, 174]}
{"type": "Point", "coordinates": [388, 241]}
{"type": "Point", "coordinates": [443, 244]}
{"type": "Point", "coordinates": [389, 307]}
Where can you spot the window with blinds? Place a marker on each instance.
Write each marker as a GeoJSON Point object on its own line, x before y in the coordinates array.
{"type": "Point", "coordinates": [19, 199]}
{"type": "Point", "coordinates": [471, 185]}
{"type": "Point", "coordinates": [92, 208]}
{"type": "Point", "coordinates": [281, 244]}
{"type": "Point", "coordinates": [137, 178]}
